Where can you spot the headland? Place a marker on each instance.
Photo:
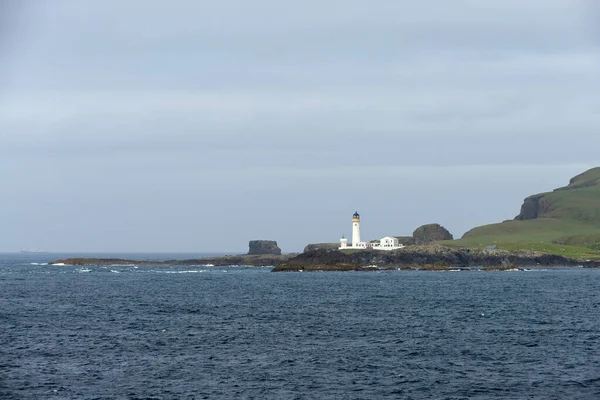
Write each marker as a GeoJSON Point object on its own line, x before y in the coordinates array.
{"type": "Point", "coordinates": [554, 229]}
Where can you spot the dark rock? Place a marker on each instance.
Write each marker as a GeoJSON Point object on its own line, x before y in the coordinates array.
{"type": "Point", "coordinates": [506, 262]}
{"type": "Point", "coordinates": [264, 247]}
{"type": "Point", "coordinates": [587, 179]}
{"type": "Point", "coordinates": [261, 260]}
{"type": "Point", "coordinates": [423, 257]}
{"type": "Point", "coordinates": [533, 207]}
{"type": "Point", "coordinates": [319, 246]}
{"type": "Point", "coordinates": [431, 233]}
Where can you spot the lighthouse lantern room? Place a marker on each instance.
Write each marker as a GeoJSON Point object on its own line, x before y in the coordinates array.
{"type": "Point", "coordinates": [356, 230]}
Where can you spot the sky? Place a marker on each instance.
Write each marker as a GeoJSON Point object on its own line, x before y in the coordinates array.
{"type": "Point", "coordinates": [196, 125]}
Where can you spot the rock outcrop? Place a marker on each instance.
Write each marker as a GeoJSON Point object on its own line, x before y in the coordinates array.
{"type": "Point", "coordinates": [586, 179]}
{"type": "Point", "coordinates": [259, 247]}
{"type": "Point", "coordinates": [431, 233]}
{"type": "Point", "coordinates": [542, 205]}
{"type": "Point", "coordinates": [422, 257]}
{"type": "Point", "coordinates": [261, 260]}
{"type": "Point", "coordinates": [321, 246]}
{"type": "Point", "coordinates": [533, 207]}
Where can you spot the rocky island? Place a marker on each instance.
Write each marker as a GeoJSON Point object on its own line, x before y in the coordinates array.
{"type": "Point", "coordinates": [264, 247]}
{"type": "Point", "coordinates": [417, 257]}
{"type": "Point", "coordinates": [262, 253]}
{"type": "Point", "coordinates": [425, 257]}
{"type": "Point", "coordinates": [242, 259]}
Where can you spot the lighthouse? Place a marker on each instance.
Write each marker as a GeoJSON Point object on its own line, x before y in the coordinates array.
{"type": "Point", "coordinates": [386, 243]}
{"type": "Point", "coordinates": [356, 230]}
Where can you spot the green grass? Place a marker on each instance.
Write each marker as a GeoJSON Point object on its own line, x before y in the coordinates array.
{"type": "Point", "coordinates": [535, 230]}
{"type": "Point", "coordinates": [567, 238]}
{"type": "Point", "coordinates": [592, 241]}
{"type": "Point", "coordinates": [350, 251]}
{"type": "Point", "coordinates": [580, 252]}
{"type": "Point", "coordinates": [583, 252]}
{"type": "Point", "coordinates": [570, 225]}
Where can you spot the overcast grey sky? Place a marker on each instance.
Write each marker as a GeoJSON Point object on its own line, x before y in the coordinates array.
{"type": "Point", "coordinates": [197, 125]}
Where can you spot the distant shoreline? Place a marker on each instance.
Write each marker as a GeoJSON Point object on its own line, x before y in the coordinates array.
{"type": "Point", "coordinates": [424, 258]}
{"type": "Point", "coordinates": [265, 260]}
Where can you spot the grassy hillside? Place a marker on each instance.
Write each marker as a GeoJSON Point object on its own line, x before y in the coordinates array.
{"type": "Point", "coordinates": [565, 221]}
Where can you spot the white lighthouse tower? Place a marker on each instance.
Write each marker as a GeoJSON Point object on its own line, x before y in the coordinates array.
{"type": "Point", "coordinates": [356, 230]}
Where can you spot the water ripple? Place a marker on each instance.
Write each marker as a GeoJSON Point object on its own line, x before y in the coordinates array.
{"type": "Point", "coordinates": [173, 332]}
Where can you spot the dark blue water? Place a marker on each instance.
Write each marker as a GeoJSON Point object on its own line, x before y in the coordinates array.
{"type": "Point", "coordinates": [246, 333]}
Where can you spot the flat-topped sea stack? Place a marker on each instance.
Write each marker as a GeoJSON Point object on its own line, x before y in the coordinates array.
{"type": "Point", "coordinates": [261, 247]}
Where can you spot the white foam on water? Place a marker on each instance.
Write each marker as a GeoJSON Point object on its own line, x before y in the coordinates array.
{"type": "Point", "coordinates": [60, 264]}
{"type": "Point", "coordinates": [115, 271]}
{"type": "Point", "coordinates": [34, 263]}
{"type": "Point", "coordinates": [195, 271]}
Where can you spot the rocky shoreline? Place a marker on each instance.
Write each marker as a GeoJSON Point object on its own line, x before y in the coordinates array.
{"type": "Point", "coordinates": [418, 257]}
{"type": "Point", "coordinates": [430, 257]}
{"type": "Point", "coordinates": [262, 260]}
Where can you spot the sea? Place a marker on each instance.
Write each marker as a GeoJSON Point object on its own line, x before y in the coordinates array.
{"type": "Point", "coordinates": [238, 332]}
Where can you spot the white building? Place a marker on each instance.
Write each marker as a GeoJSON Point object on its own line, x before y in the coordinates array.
{"type": "Point", "coordinates": [386, 243]}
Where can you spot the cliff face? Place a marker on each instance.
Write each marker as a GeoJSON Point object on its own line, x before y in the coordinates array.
{"type": "Point", "coordinates": [258, 247]}
{"type": "Point", "coordinates": [548, 204]}
{"type": "Point", "coordinates": [431, 233]}
{"type": "Point", "coordinates": [572, 211]}
{"type": "Point", "coordinates": [533, 207]}
{"type": "Point", "coordinates": [586, 179]}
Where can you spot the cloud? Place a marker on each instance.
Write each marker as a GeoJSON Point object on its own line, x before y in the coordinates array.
{"type": "Point", "coordinates": [190, 44]}
{"type": "Point", "coordinates": [145, 112]}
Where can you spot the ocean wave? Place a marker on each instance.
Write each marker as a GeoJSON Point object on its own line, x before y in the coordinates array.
{"type": "Point", "coordinates": [34, 263]}
{"type": "Point", "coordinates": [194, 271]}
